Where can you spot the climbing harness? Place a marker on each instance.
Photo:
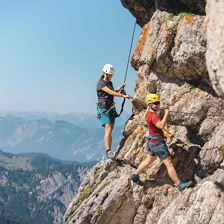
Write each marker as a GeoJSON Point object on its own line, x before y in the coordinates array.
{"type": "Point", "coordinates": [156, 137]}
{"type": "Point", "coordinates": [126, 71]}
{"type": "Point", "coordinates": [101, 113]}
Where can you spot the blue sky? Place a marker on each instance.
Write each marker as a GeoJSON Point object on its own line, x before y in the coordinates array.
{"type": "Point", "coordinates": [52, 52]}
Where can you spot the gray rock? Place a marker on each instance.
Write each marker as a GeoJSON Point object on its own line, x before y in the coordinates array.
{"type": "Point", "coordinates": [215, 47]}
{"type": "Point", "coordinates": [203, 204]}
{"type": "Point", "coordinates": [170, 60]}
{"type": "Point", "coordinates": [143, 10]}
{"type": "Point", "coordinates": [173, 46]}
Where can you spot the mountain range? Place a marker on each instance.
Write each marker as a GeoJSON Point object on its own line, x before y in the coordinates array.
{"type": "Point", "coordinates": [35, 188]}
{"type": "Point", "coordinates": [66, 137]}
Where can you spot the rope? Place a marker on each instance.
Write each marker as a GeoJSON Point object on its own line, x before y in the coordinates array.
{"type": "Point", "coordinates": [184, 143]}
{"type": "Point", "coordinates": [129, 54]}
{"type": "Point", "coordinates": [127, 66]}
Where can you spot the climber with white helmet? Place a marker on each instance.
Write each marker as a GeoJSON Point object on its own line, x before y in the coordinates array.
{"type": "Point", "coordinates": [156, 143]}
{"type": "Point", "coordinates": [106, 107]}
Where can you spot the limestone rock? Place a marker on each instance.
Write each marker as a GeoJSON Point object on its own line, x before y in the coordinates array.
{"type": "Point", "coordinates": [215, 48]}
{"type": "Point", "coordinates": [169, 59]}
{"type": "Point", "coordinates": [143, 10]}
{"type": "Point", "coordinates": [174, 46]}
{"type": "Point", "coordinates": [203, 204]}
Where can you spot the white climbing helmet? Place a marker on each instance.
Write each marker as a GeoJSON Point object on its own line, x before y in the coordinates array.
{"type": "Point", "coordinates": [109, 69]}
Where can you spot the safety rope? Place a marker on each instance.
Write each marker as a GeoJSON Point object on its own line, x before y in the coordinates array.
{"type": "Point", "coordinates": [129, 55]}
{"type": "Point", "coordinates": [184, 143]}
{"type": "Point", "coordinates": [126, 71]}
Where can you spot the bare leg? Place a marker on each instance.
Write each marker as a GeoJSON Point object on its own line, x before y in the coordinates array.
{"type": "Point", "coordinates": [108, 135]}
{"type": "Point", "coordinates": [171, 170]}
{"type": "Point", "coordinates": [150, 159]}
{"type": "Point", "coordinates": [110, 139]}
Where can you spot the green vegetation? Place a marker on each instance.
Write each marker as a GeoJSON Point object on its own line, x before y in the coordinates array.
{"type": "Point", "coordinates": [99, 210]}
{"type": "Point", "coordinates": [96, 173]}
{"type": "Point", "coordinates": [166, 19]}
{"type": "Point", "coordinates": [13, 162]}
{"type": "Point", "coordinates": [101, 188]}
{"type": "Point", "coordinates": [84, 194]}
{"type": "Point", "coordinates": [182, 14]}
{"type": "Point", "coordinates": [104, 185]}
{"type": "Point", "coordinates": [178, 18]}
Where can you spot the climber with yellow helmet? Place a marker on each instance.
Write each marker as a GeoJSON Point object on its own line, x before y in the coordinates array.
{"type": "Point", "coordinates": [156, 143]}
{"type": "Point", "coordinates": [106, 107]}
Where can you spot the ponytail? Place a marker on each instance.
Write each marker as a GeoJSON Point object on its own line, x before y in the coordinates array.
{"type": "Point", "coordinates": [102, 76]}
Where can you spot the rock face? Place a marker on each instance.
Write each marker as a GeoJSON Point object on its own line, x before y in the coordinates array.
{"type": "Point", "coordinates": [143, 10]}
{"type": "Point", "coordinates": [18, 135]}
{"type": "Point", "coordinates": [173, 46]}
{"type": "Point", "coordinates": [169, 59]}
{"type": "Point", "coordinates": [215, 50]}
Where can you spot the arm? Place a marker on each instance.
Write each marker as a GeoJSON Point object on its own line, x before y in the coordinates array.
{"type": "Point", "coordinates": [113, 93]}
{"type": "Point", "coordinates": [120, 87]}
{"type": "Point", "coordinates": [167, 134]}
{"type": "Point", "coordinates": [146, 111]}
{"type": "Point", "coordinates": [162, 123]}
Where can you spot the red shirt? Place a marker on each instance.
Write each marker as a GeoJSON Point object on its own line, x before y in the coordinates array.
{"type": "Point", "coordinates": [152, 119]}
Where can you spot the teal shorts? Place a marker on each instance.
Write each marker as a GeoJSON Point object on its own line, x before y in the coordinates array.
{"type": "Point", "coordinates": [106, 118]}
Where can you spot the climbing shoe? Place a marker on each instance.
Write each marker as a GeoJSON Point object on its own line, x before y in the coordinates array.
{"type": "Point", "coordinates": [184, 185]}
{"type": "Point", "coordinates": [110, 155]}
{"type": "Point", "coordinates": [135, 178]}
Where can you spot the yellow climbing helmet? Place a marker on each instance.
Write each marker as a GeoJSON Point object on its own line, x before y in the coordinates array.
{"type": "Point", "coordinates": [152, 98]}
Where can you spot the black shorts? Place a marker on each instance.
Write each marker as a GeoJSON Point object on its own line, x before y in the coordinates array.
{"type": "Point", "coordinates": [159, 149]}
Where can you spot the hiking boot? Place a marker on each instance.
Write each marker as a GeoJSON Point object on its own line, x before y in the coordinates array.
{"type": "Point", "coordinates": [135, 178]}
{"type": "Point", "coordinates": [184, 185]}
{"type": "Point", "coordinates": [110, 155]}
